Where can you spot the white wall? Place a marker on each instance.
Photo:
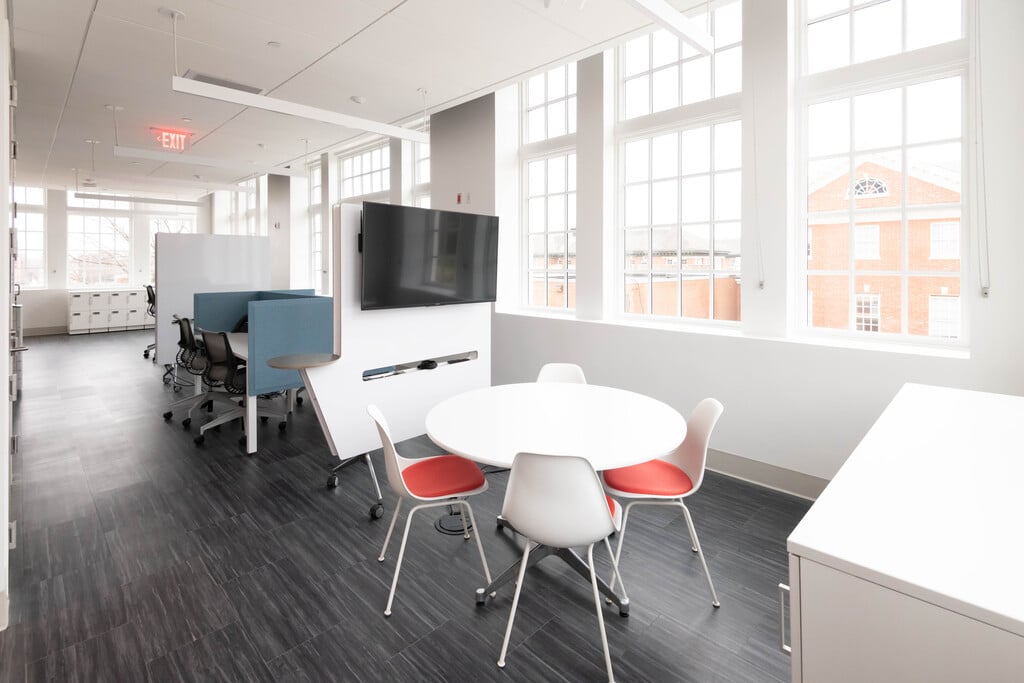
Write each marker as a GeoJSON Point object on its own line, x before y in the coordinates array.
{"type": "Point", "coordinates": [279, 220]}
{"type": "Point", "coordinates": [792, 405]}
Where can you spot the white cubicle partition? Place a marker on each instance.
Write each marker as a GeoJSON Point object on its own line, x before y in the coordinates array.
{"type": "Point", "coordinates": [369, 340]}
{"type": "Point", "coordinates": [186, 264]}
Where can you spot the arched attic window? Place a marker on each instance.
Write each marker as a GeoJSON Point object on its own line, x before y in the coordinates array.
{"type": "Point", "coordinates": [870, 187]}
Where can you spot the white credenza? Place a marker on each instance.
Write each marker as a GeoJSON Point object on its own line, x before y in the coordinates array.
{"type": "Point", "coordinates": [910, 565]}
{"type": "Point", "coordinates": [107, 310]}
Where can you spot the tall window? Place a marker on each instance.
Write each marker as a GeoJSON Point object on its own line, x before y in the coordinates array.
{"type": "Point", "coordinates": [548, 159]}
{"type": "Point", "coordinates": [99, 250]}
{"type": "Point", "coordinates": [367, 171]}
{"type": "Point", "coordinates": [551, 231]}
{"type": "Point", "coordinates": [316, 227]}
{"type": "Point", "coordinates": [679, 201]}
{"type": "Point", "coordinates": [169, 223]}
{"type": "Point", "coordinates": [245, 213]}
{"type": "Point", "coordinates": [882, 160]}
{"type": "Point", "coordinates": [30, 227]}
{"type": "Point", "coordinates": [421, 174]}
{"type": "Point", "coordinates": [944, 316]}
{"type": "Point", "coordinates": [550, 104]}
{"type": "Point", "coordinates": [660, 72]}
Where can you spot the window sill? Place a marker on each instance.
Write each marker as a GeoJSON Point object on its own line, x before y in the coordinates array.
{"type": "Point", "coordinates": [733, 330]}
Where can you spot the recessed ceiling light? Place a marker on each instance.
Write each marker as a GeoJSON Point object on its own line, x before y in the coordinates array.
{"type": "Point", "coordinates": [135, 163]}
{"type": "Point", "coordinates": [273, 43]}
{"type": "Point", "coordinates": [358, 99]}
{"type": "Point", "coordinates": [186, 119]}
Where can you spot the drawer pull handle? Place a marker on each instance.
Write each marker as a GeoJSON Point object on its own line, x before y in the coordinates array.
{"type": "Point", "coordinates": [783, 593]}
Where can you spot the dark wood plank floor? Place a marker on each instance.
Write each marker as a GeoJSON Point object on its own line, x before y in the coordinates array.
{"type": "Point", "coordinates": [142, 557]}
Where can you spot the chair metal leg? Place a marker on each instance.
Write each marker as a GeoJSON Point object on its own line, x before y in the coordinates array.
{"type": "Point", "coordinates": [391, 528]}
{"type": "Point", "coordinates": [618, 548]}
{"type": "Point", "coordinates": [476, 533]}
{"type": "Point", "coordinates": [615, 570]}
{"type": "Point", "coordinates": [401, 554]}
{"type": "Point", "coordinates": [600, 612]}
{"type": "Point", "coordinates": [515, 604]}
{"type": "Point", "coordinates": [700, 553]}
{"type": "Point", "coordinates": [373, 476]}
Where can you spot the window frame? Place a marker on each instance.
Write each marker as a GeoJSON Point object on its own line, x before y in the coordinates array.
{"type": "Point", "coordinates": [380, 145]}
{"type": "Point", "coordinates": [902, 70]}
{"type": "Point", "coordinates": [20, 211]}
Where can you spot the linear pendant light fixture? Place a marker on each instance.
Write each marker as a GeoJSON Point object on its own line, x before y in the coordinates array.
{"type": "Point", "coordinates": [135, 200]}
{"type": "Point", "coordinates": [218, 92]}
{"type": "Point", "coordinates": [670, 18]}
{"type": "Point", "coordinates": [194, 159]}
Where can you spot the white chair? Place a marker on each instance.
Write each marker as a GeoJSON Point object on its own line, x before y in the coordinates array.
{"type": "Point", "coordinates": [562, 372]}
{"type": "Point", "coordinates": [437, 481]}
{"type": "Point", "coordinates": [558, 501]}
{"type": "Point", "coordinates": [670, 480]}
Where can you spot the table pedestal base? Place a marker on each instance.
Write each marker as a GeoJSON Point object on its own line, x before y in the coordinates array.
{"type": "Point", "coordinates": [451, 523]}
{"type": "Point", "coordinates": [567, 555]}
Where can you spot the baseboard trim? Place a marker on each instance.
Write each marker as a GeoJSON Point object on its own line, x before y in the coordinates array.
{"type": "Point", "coordinates": [5, 605]}
{"type": "Point", "coordinates": [44, 331]}
{"type": "Point", "coordinates": [768, 476]}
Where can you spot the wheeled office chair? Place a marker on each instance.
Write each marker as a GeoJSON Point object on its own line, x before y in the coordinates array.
{"type": "Point", "coordinates": [225, 370]}
{"type": "Point", "coordinates": [192, 358]}
{"type": "Point", "coordinates": [151, 312]}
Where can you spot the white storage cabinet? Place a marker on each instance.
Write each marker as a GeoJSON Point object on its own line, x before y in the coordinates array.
{"type": "Point", "coordinates": [107, 310]}
{"type": "Point", "coordinates": [910, 566]}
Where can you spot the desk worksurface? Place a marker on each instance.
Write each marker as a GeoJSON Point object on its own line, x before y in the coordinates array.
{"type": "Point", "coordinates": [610, 427]}
{"type": "Point", "coordinates": [930, 504]}
{"type": "Point", "coordinates": [302, 361]}
{"type": "Point", "coordinates": [239, 344]}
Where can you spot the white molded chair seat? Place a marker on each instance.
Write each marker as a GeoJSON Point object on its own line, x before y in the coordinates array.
{"type": "Point", "coordinates": [557, 501]}
{"type": "Point", "coordinates": [436, 481]}
{"type": "Point", "coordinates": [670, 480]}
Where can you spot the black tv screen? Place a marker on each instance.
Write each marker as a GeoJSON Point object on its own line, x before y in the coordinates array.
{"type": "Point", "coordinates": [427, 257]}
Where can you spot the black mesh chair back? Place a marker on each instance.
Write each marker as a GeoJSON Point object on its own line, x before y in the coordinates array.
{"type": "Point", "coordinates": [194, 354]}
{"type": "Point", "coordinates": [223, 368]}
{"type": "Point", "coordinates": [151, 300]}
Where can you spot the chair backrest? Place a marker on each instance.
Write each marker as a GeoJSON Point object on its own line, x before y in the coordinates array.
{"type": "Point", "coordinates": [692, 454]}
{"type": "Point", "coordinates": [393, 462]}
{"type": "Point", "coordinates": [562, 372]}
{"type": "Point", "coordinates": [556, 500]}
{"type": "Point", "coordinates": [150, 300]}
{"type": "Point", "coordinates": [222, 367]}
{"type": "Point", "coordinates": [194, 357]}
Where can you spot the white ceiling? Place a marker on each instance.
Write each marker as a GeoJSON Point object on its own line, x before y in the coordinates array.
{"type": "Point", "coordinates": [72, 57]}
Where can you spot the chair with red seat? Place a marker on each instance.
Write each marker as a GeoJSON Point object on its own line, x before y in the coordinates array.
{"type": "Point", "coordinates": [557, 501]}
{"type": "Point", "coordinates": [436, 481]}
{"type": "Point", "coordinates": [670, 480]}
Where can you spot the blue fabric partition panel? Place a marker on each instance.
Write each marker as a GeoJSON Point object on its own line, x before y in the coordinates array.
{"type": "Point", "coordinates": [271, 294]}
{"type": "Point", "coordinates": [284, 325]}
{"type": "Point", "coordinates": [220, 311]}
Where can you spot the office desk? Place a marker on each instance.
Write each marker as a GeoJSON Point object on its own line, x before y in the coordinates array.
{"type": "Point", "coordinates": [607, 426]}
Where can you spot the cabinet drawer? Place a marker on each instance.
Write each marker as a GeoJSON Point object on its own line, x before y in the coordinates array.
{"type": "Point", "coordinates": [99, 301]}
{"type": "Point", "coordinates": [98, 320]}
{"type": "Point", "coordinates": [78, 301]}
{"type": "Point", "coordinates": [853, 630]}
{"type": "Point", "coordinates": [118, 317]}
{"type": "Point", "coordinates": [78, 321]}
{"type": "Point", "coordinates": [135, 317]}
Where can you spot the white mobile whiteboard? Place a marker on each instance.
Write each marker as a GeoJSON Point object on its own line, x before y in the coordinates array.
{"type": "Point", "coordinates": [186, 264]}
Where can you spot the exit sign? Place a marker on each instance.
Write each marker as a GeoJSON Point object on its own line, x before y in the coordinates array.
{"type": "Point", "coordinates": [172, 140]}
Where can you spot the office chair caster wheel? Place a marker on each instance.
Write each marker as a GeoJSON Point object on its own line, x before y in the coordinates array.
{"type": "Point", "coordinates": [298, 400]}
{"type": "Point", "coordinates": [186, 423]}
{"type": "Point", "coordinates": [199, 440]}
{"type": "Point", "coordinates": [263, 419]}
{"type": "Point", "coordinates": [332, 481]}
{"type": "Point", "coordinates": [167, 415]}
{"type": "Point", "coordinates": [167, 380]}
{"type": "Point", "coordinates": [145, 354]}
{"type": "Point", "coordinates": [376, 511]}
{"type": "Point", "coordinates": [481, 596]}
{"type": "Point", "coordinates": [281, 426]}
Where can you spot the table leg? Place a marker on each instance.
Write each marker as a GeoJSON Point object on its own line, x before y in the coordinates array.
{"type": "Point", "coordinates": [567, 555]}
{"type": "Point", "coordinates": [250, 424]}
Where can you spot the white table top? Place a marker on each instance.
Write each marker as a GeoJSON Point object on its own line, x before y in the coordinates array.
{"type": "Point", "coordinates": [930, 504]}
{"type": "Point", "coordinates": [239, 344]}
{"type": "Point", "coordinates": [610, 427]}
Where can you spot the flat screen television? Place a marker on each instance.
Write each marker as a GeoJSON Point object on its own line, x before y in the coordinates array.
{"type": "Point", "coordinates": [427, 257]}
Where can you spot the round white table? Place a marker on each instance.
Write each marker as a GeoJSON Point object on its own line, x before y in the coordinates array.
{"type": "Point", "coordinates": [609, 427]}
